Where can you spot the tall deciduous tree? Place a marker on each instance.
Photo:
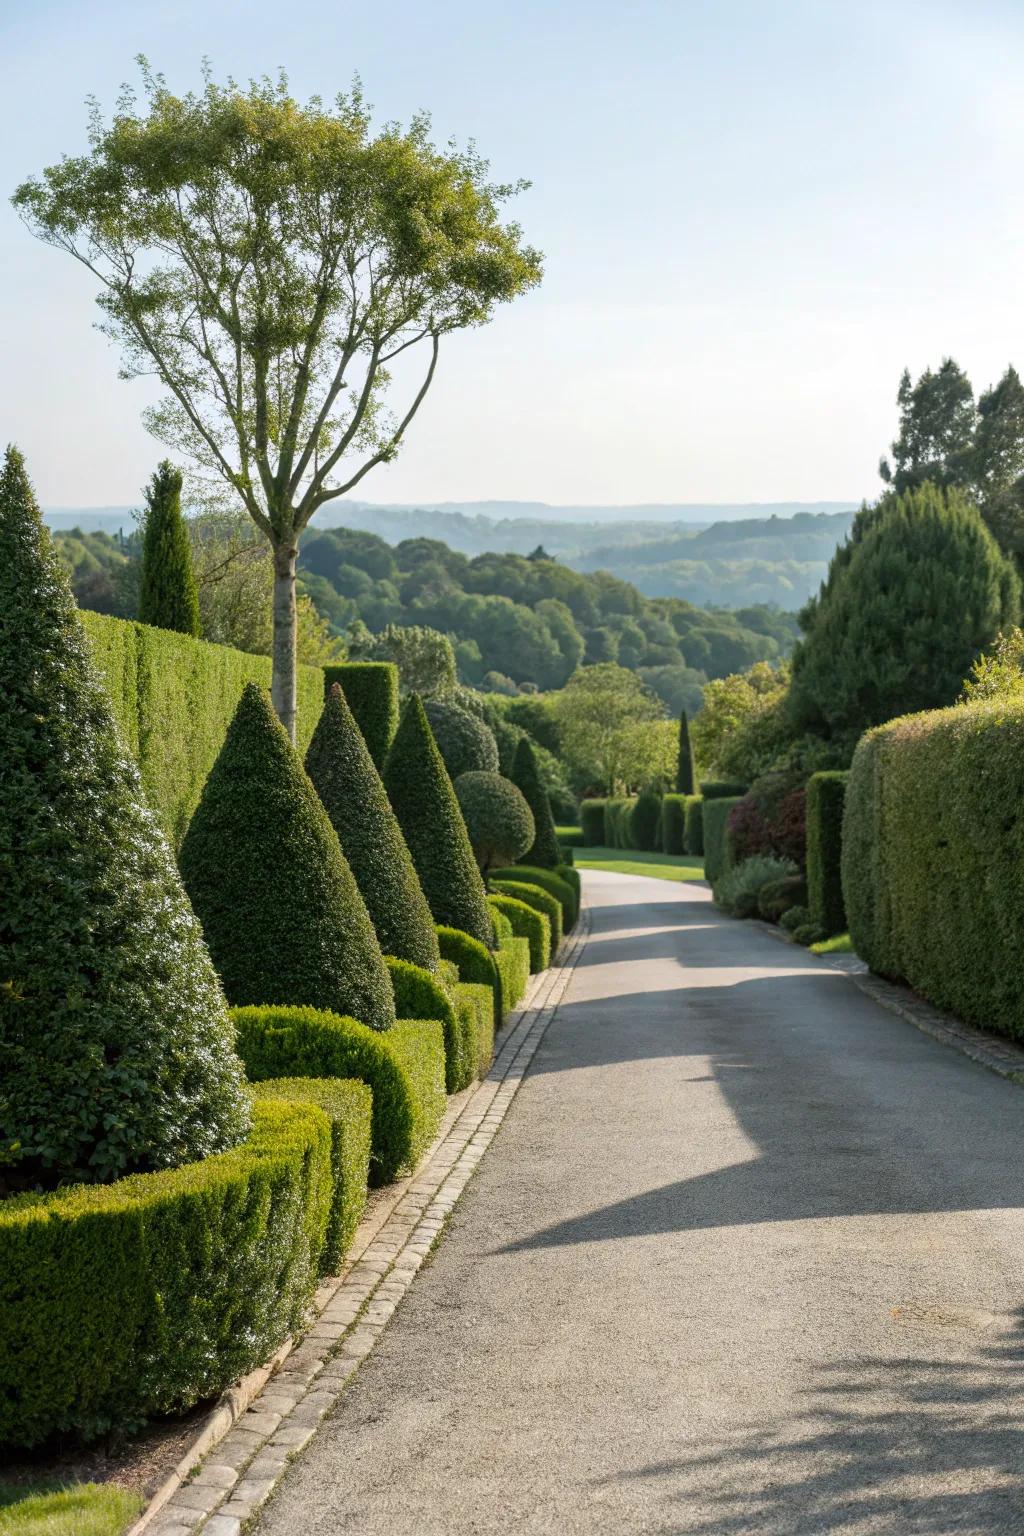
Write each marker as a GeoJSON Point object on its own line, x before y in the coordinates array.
{"type": "Point", "coordinates": [271, 262]}
{"type": "Point", "coordinates": [936, 429]}
{"type": "Point", "coordinates": [168, 596]}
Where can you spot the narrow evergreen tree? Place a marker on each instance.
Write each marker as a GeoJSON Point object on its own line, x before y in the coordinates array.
{"type": "Point", "coordinates": [686, 775]}
{"type": "Point", "coordinates": [115, 1044]}
{"type": "Point", "coordinates": [339, 764]}
{"type": "Point", "coordinates": [279, 906]}
{"type": "Point", "coordinates": [428, 812]}
{"type": "Point", "coordinates": [544, 852]}
{"type": "Point", "coordinates": [168, 596]}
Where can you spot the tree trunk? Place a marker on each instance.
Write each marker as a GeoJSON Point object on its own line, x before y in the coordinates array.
{"type": "Point", "coordinates": [282, 688]}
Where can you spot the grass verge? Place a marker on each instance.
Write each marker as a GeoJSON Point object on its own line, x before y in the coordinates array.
{"type": "Point", "coordinates": [839, 945]}
{"type": "Point", "coordinates": [659, 866]}
{"type": "Point", "coordinates": [86, 1509]}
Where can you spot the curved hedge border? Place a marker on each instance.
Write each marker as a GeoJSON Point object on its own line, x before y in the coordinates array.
{"type": "Point", "coordinates": [540, 900]}
{"type": "Point", "coordinates": [147, 1295]}
{"type": "Point", "coordinates": [421, 995]}
{"type": "Point", "coordinates": [512, 961]}
{"type": "Point", "coordinates": [527, 923]}
{"type": "Point", "coordinates": [475, 961]}
{"type": "Point", "coordinates": [404, 1067]}
{"type": "Point", "coordinates": [562, 883]}
{"type": "Point", "coordinates": [371, 693]}
{"type": "Point", "coordinates": [348, 1106]}
{"type": "Point", "coordinates": [476, 1008]}
{"type": "Point", "coordinates": [716, 821]}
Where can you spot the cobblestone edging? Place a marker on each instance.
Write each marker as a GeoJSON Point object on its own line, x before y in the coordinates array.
{"type": "Point", "coordinates": [282, 1412]}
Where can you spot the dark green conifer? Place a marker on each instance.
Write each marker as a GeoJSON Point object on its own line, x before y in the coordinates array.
{"type": "Point", "coordinates": [278, 903]}
{"type": "Point", "coordinates": [686, 774]}
{"type": "Point", "coordinates": [545, 852]}
{"type": "Point", "coordinates": [339, 764]}
{"type": "Point", "coordinates": [428, 812]}
{"type": "Point", "coordinates": [116, 1049]}
{"type": "Point", "coordinates": [168, 596]}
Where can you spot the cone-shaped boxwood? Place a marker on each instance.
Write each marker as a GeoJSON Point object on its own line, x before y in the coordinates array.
{"type": "Point", "coordinates": [424, 801]}
{"type": "Point", "coordinates": [343, 774]}
{"type": "Point", "coordinates": [115, 1045]}
{"type": "Point", "coordinates": [497, 817]}
{"type": "Point", "coordinates": [279, 906]}
{"type": "Point", "coordinates": [545, 850]}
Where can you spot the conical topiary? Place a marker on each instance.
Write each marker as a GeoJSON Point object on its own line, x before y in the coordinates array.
{"type": "Point", "coordinates": [339, 764]}
{"type": "Point", "coordinates": [686, 774]}
{"type": "Point", "coordinates": [115, 1044]}
{"type": "Point", "coordinates": [278, 903]}
{"type": "Point", "coordinates": [424, 801]}
{"type": "Point", "coordinates": [168, 596]}
{"type": "Point", "coordinates": [545, 852]}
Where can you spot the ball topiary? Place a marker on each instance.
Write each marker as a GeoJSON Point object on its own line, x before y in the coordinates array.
{"type": "Point", "coordinates": [340, 766]}
{"type": "Point", "coordinates": [465, 742]}
{"type": "Point", "coordinates": [544, 850]}
{"type": "Point", "coordinates": [424, 801]}
{"type": "Point", "coordinates": [115, 1044]}
{"type": "Point", "coordinates": [278, 903]}
{"type": "Point", "coordinates": [498, 819]}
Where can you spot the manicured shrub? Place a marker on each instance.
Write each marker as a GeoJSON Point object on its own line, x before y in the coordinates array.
{"type": "Point", "coordinates": [572, 879]}
{"type": "Point", "coordinates": [693, 837]}
{"type": "Point", "coordinates": [371, 693]}
{"type": "Point", "coordinates": [403, 1068]}
{"type": "Point", "coordinates": [673, 823]}
{"type": "Point", "coordinates": [351, 792]}
{"type": "Point", "coordinates": [424, 801]}
{"type": "Point", "coordinates": [420, 994]}
{"type": "Point", "coordinates": [554, 882]}
{"type": "Point", "coordinates": [770, 819]}
{"type": "Point", "coordinates": [825, 795]}
{"type": "Point", "coordinates": [497, 818]}
{"type": "Point", "coordinates": [794, 918]}
{"type": "Point", "coordinates": [722, 789]}
{"type": "Point", "coordinates": [777, 896]}
{"type": "Point", "coordinates": [544, 850]}
{"type": "Point", "coordinates": [512, 961]}
{"type": "Point", "coordinates": [348, 1105]}
{"type": "Point", "coordinates": [686, 772]}
{"type": "Point", "coordinates": [809, 933]}
{"type": "Point", "coordinates": [540, 900]}
{"type": "Point", "coordinates": [448, 972]}
{"type": "Point", "coordinates": [645, 821]}
{"type": "Point", "coordinates": [502, 926]}
{"type": "Point", "coordinates": [279, 906]}
{"type": "Point", "coordinates": [147, 1295]}
{"type": "Point", "coordinates": [570, 838]}
{"type": "Point", "coordinates": [115, 1045]}
{"type": "Point", "coordinates": [477, 1002]}
{"type": "Point", "coordinates": [618, 820]}
{"type": "Point", "coordinates": [717, 856]}
{"type": "Point", "coordinates": [168, 595]}
{"type": "Point", "coordinates": [739, 889]}
{"type": "Point", "coordinates": [475, 961]}
{"type": "Point", "coordinates": [592, 823]}
{"type": "Point", "coordinates": [527, 923]}
{"type": "Point", "coordinates": [465, 742]}
{"type": "Point", "coordinates": [173, 699]}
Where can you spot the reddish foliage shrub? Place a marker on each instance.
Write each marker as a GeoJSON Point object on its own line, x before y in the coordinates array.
{"type": "Point", "coordinates": [770, 820]}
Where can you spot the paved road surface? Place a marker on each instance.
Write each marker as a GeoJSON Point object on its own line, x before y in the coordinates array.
{"type": "Point", "coordinates": [746, 1256]}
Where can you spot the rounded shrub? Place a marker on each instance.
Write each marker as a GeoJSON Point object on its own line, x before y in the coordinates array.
{"type": "Point", "coordinates": [350, 790]}
{"type": "Point", "coordinates": [739, 889]}
{"type": "Point", "coordinates": [794, 918]}
{"type": "Point", "coordinates": [428, 812]}
{"type": "Point", "coordinates": [465, 742]}
{"type": "Point", "coordinates": [526, 923]}
{"type": "Point", "coordinates": [544, 850]}
{"type": "Point", "coordinates": [497, 817]}
{"type": "Point", "coordinates": [539, 900]}
{"type": "Point", "coordinates": [115, 1044]}
{"type": "Point", "coordinates": [777, 896]}
{"type": "Point", "coordinates": [279, 906]}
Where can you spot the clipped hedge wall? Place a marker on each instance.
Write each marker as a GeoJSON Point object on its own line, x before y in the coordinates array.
{"type": "Point", "coordinates": [540, 900]}
{"type": "Point", "coordinates": [826, 793]}
{"type": "Point", "coordinates": [404, 1068]}
{"type": "Point", "coordinates": [673, 823]}
{"type": "Point", "coordinates": [592, 823]}
{"type": "Point", "coordinates": [512, 962]}
{"type": "Point", "coordinates": [723, 789]}
{"type": "Point", "coordinates": [561, 883]}
{"type": "Point", "coordinates": [618, 823]}
{"type": "Point", "coordinates": [693, 838]}
{"type": "Point", "coordinates": [476, 1005]}
{"type": "Point", "coordinates": [645, 821]}
{"type": "Point", "coordinates": [933, 845]}
{"type": "Point", "coordinates": [371, 693]}
{"type": "Point", "coordinates": [527, 923]}
{"type": "Point", "coordinates": [147, 1295]}
{"type": "Point", "coordinates": [475, 961]}
{"type": "Point", "coordinates": [174, 698]}
{"type": "Point", "coordinates": [717, 811]}
{"type": "Point", "coordinates": [348, 1106]}
{"type": "Point", "coordinates": [421, 995]}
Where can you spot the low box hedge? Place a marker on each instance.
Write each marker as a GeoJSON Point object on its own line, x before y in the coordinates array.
{"type": "Point", "coordinates": [592, 823]}
{"type": "Point", "coordinates": [571, 876]}
{"type": "Point", "coordinates": [404, 1068]}
{"type": "Point", "coordinates": [476, 1006]}
{"type": "Point", "coordinates": [475, 961]}
{"type": "Point", "coordinates": [419, 994]}
{"type": "Point", "coordinates": [502, 927]}
{"type": "Point", "coordinates": [348, 1105]}
{"type": "Point", "coordinates": [553, 881]}
{"type": "Point", "coordinates": [673, 823]}
{"type": "Point", "coordinates": [513, 965]}
{"type": "Point", "coordinates": [693, 837]}
{"type": "Point", "coordinates": [145, 1296]}
{"type": "Point", "coordinates": [540, 900]}
{"type": "Point", "coordinates": [526, 923]}
{"type": "Point", "coordinates": [717, 811]}
{"type": "Point", "coordinates": [826, 793]}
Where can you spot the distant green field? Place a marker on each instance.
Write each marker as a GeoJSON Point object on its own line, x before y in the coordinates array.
{"type": "Point", "coordinates": [660, 866]}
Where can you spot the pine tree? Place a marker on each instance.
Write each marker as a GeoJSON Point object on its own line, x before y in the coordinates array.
{"type": "Point", "coordinates": [279, 906]}
{"type": "Point", "coordinates": [686, 775]}
{"type": "Point", "coordinates": [342, 771]}
{"type": "Point", "coordinates": [168, 596]}
{"type": "Point", "coordinates": [544, 852]}
{"type": "Point", "coordinates": [116, 1051]}
{"type": "Point", "coordinates": [424, 801]}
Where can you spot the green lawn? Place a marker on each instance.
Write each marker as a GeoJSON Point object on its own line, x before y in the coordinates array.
{"type": "Point", "coordinates": [622, 861]}
{"type": "Point", "coordinates": [840, 945]}
{"type": "Point", "coordinates": [87, 1509]}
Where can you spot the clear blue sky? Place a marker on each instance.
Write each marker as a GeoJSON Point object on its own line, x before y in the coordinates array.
{"type": "Point", "coordinates": [754, 213]}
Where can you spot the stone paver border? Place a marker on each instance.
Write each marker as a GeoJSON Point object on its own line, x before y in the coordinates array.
{"type": "Point", "coordinates": [262, 1422]}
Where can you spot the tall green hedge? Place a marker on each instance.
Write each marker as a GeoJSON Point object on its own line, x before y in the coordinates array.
{"type": "Point", "coordinates": [544, 850]}
{"type": "Point", "coordinates": [673, 823]}
{"type": "Point", "coordinates": [645, 821]}
{"type": "Point", "coordinates": [592, 823]}
{"type": "Point", "coordinates": [150, 1294]}
{"type": "Point", "coordinates": [173, 699]}
{"type": "Point", "coordinates": [618, 822]}
{"type": "Point", "coordinates": [933, 847]}
{"type": "Point", "coordinates": [824, 816]}
{"type": "Point", "coordinates": [371, 692]}
{"type": "Point", "coordinates": [693, 838]}
{"type": "Point", "coordinates": [350, 790]}
{"type": "Point", "coordinates": [716, 815]}
{"type": "Point", "coordinates": [279, 906]}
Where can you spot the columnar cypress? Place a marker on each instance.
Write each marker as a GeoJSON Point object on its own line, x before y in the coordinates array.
{"type": "Point", "coordinates": [339, 764]}
{"type": "Point", "coordinates": [424, 801]}
{"type": "Point", "coordinates": [544, 851]}
{"type": "Point", "coordinates": [686, 775]}
{"type": "Point", "coordinates": [168, 596]}
{"type": "Point", "coordinates": [278, 903]}
{"type": "Point", "coordinates": [115, 1045]}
